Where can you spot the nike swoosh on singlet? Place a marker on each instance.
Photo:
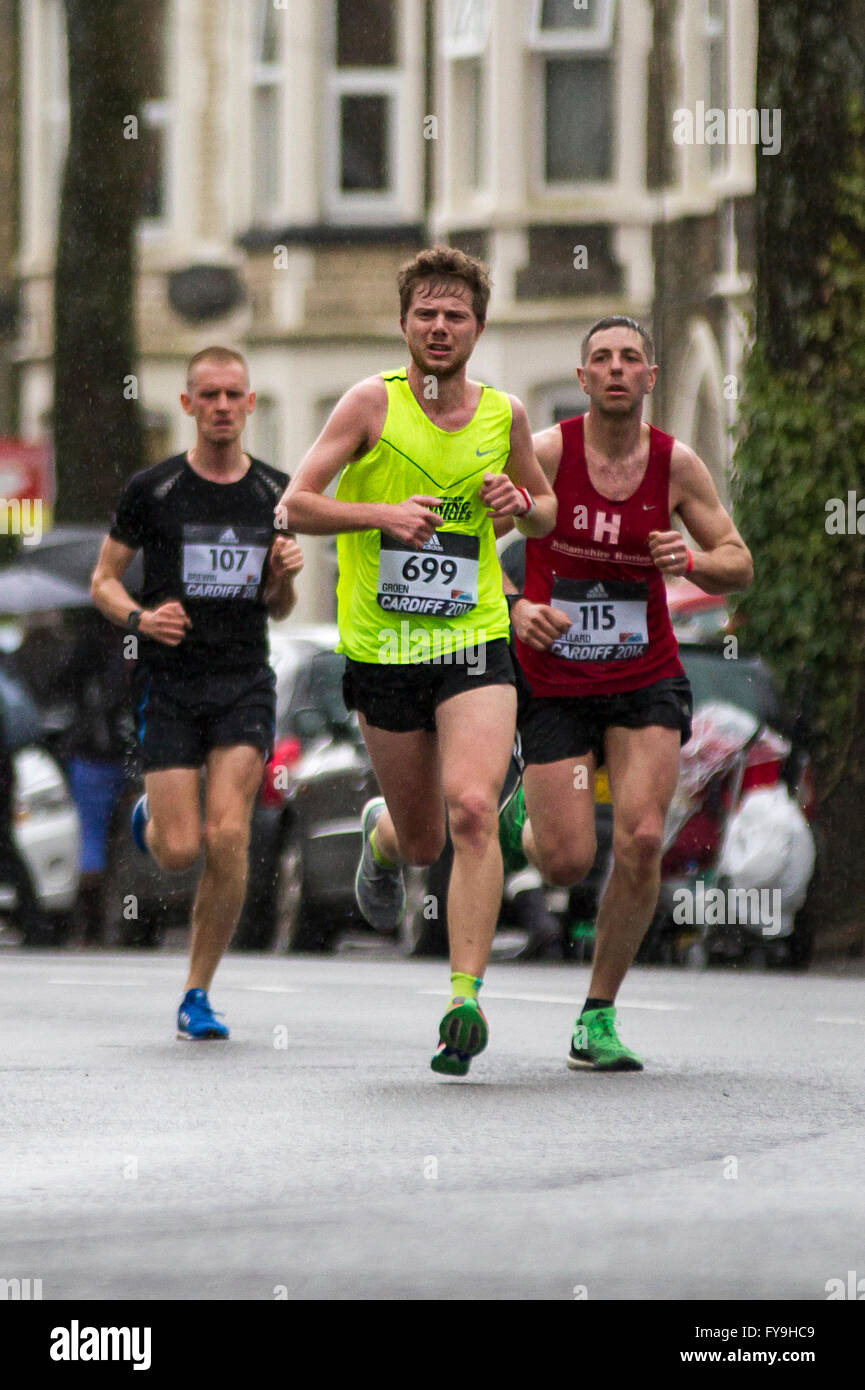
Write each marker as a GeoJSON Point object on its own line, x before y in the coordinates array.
{"type": "Point", "coordinates": [454, 482]}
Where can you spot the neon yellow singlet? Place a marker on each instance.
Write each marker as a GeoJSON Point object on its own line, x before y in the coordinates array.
{"type": "Point", "coordinates": [395, 605]}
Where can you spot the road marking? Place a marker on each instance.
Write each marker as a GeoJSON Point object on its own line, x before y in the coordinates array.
{"type": "Point", "coordinates": [100, 980]}
{"type": "Point", "coordinates": [564, 999]}
{"type": "Point", "coordinates": [145, 984]}
{"type": "Point", "coordinates": [268, 989]}
{"type": "Point", "coordinates": [828, 1018]}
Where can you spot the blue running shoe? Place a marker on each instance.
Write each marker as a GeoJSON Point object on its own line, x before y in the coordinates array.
{"type": "Point", "coordinates": [196, 1020]}
{"type": "Point", "coordinates": [140, 817]}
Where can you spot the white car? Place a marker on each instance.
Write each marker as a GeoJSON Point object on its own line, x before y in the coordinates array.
{"type": "Point", "coordinates": [47, 830]}
{"type": "Point", "coordinates": [45, 825]}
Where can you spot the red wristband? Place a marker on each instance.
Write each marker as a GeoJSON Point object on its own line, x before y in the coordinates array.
{"type": "Point", "coordinates": [529, 500]}
{"type": "Point", "coordinates": [690, 555]}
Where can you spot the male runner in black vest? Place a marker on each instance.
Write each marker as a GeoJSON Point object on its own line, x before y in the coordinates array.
{"type": "Point", "coordinates": [213, 570]}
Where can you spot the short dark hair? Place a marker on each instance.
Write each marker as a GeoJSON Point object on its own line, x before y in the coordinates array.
{"type": "Point", "coordinates": [445, 263]}
{"type": "Point", "coordinates": [619, 321]}
{"type": "Point", "coordinates": [223, 355]}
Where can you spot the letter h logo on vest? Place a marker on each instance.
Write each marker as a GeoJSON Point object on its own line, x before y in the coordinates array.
{"type": "Point", "coordinates": [607, 528]}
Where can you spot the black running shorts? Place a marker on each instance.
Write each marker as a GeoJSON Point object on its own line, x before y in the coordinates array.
{"type": "Point", "coordinates": [403, 698]}
{"type": "Point", "coordinates": [179, 719]}
{"type": "Point", "coordinates": [554, 728]}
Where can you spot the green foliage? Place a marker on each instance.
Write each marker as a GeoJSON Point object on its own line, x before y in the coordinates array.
{"type": "Point", "coordinates": [801, 443]}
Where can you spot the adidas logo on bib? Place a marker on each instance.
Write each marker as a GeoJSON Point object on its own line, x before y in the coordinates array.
{"type": "Point", "coordinates": [597, 592]}
{"type": "Point", "coordinates": [228, 538]}
{"type": "Point", "coordinates": [433, 543]}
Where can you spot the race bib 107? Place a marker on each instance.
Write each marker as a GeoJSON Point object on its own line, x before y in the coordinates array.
{"type": "Point", "coordinates": [223, 561]}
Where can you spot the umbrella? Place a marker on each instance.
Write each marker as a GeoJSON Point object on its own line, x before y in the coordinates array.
{"type": "Point", "coordinates": [71, 552]}
{"type": "Point", "coordinates": [25, 590]}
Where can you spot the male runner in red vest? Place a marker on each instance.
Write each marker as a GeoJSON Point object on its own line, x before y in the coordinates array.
{"type": "Point", "coordinates": [595, 643]}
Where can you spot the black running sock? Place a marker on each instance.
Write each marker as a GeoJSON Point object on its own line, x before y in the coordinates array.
{"type": "Point", "coordinates": [596, 1004]}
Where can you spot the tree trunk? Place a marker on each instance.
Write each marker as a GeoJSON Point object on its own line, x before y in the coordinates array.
{"type": "Point", "coordinates": [808, 63]}
{"type": "Point", "coordinates": [97, 424]}
{"type": "Point", "coordinates": [803, 422]}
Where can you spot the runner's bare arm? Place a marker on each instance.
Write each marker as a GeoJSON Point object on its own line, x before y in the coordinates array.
{"type": "Point", "coordinates": [548, 451]}
{"type": "Point", "coordinates": [723, 564]}
{"type": "Point", "coordinates": [353, 428]}
{"type": "Point", "coordinates": [537, 624]}
{"type": "Point", "coordinates": [284, 562]}
{"type": "Point", "coordinates": [168, 623]}
{"type": "Point", "coordinates": [502, 493]}
{"type": "Point", "coordinates": [547, 445]}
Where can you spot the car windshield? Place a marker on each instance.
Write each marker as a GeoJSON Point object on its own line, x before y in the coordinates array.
{"type": "Point", "coordinates": [745, 682]}
{"type": "Point", "coordinates": [19, 716]}
{"type": "Point", "coordinates": [315, 684]}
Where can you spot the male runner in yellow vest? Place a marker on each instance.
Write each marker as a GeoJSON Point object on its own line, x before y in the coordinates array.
{"type": "Point", "coordinates": [428, 459]}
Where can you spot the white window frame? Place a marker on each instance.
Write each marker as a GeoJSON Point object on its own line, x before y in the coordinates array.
{"type": "Point", "coordinates": [594, 43]}
{"type": "Point", "coordinates": [262, 75]}
{"type": "Point", "coordinates": [388, 82]}
{"type": "Point", "coordinates": [268, 410]}
{"type": "Point", "coordinates": [52, 130]}
{"type": "Point", "coordinates": [546, 398]}
{"type": "Point", "coordinates": [465, 41]}
{"type": "Point", "coordinates": [714, 29]}
{"type": "Point", "coordinates": [467, 28]}
{"type": "Point", "coordinates": [596, 39]}
{"type": "Point", "coordinates": [160, 114]}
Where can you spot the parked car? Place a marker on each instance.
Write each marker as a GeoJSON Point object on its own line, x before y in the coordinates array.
{"type": "Point", "coordinates": [305, 834]}
{"type": "Point", "coordinates": [46, 829]}
{"type": "Point", "coordinates": [306, 837]}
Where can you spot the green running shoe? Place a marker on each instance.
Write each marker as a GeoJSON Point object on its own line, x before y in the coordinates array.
{"type": "Point", "coordinates": [511, 822]}
{"type": "Point", "coordinates": [463, 1033]}
{"type": "Point", "coordinates": [597, 1044]}
{"type": "Point", "coordinates": [450, 1063]}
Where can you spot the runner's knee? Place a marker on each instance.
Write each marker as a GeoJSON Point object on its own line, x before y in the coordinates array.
{"type": "Point", "coordinates": [567, 864]}
{"type": "Point", "coordinates": [473, 819]}
{"type": "Point", "coordinates": [421, 850]}
{"type": "Point", "coordinates": [638, 850]}
{"type": "Point", "coordinates": [176, 851]}
{"type": "Point", "coordinates": [226, 842]}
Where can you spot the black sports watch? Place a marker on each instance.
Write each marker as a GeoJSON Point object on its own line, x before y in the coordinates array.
{"type": "Point", "coordinates": [133, 622]}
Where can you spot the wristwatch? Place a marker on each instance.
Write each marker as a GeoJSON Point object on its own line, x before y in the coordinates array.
{"type": "Point", "coordinates": [133, 622]}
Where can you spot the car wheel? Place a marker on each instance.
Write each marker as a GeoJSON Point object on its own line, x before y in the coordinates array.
{"type": "Point", "coordinates": [256, 930]}
{"type": "Point", "coordinates": [800, 944]}
{"type": "Point", "coordinates": [47, 929]}
{"type": "Point", "coordinates": [301, 925]}
{"type": "Point", "coordinates": [696, 956]}
{"type": "Point", "coordinates": [144, 931]}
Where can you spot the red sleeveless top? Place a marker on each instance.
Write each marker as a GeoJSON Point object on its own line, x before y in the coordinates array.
{"type": "Point", "coordinates": [595, 566]}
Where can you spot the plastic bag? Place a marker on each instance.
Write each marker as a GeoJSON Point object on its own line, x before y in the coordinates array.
{"type": "Point", "coordinates": [768, 844]}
